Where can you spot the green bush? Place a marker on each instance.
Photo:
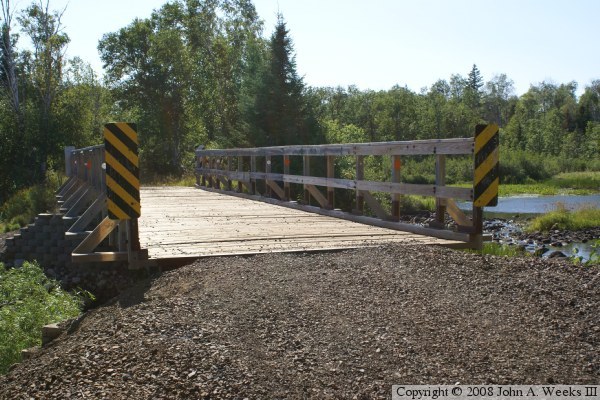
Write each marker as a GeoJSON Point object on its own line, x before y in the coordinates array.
{"type": "Point", "coordinates": [28, 301]}
{"type": "Point", "coordinates": [526, 167]}
{"type": "Point", "coordinates": [22, 207]}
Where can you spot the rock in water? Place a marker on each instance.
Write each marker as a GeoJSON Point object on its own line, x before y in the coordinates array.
{"type": "Point", "coordinates": [557, 254]}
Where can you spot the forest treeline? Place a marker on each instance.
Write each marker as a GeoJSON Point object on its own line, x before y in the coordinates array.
{"type": "Point", "coordinates": [205, 72]}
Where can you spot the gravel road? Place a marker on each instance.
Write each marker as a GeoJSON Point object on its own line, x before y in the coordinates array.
{"type": "Point", "coordinates": [330, 325]}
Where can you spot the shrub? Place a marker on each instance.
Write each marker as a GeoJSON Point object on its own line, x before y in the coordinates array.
{"type": "Point", "coordinates": [22, 207]}
{"type": "Point", "coordinates": [28, 301]}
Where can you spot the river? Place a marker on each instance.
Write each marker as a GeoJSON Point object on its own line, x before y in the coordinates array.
{"type": "Point", "coordinates": [511, 207]}
{"type": "Point", "coordinates": [537, 204]}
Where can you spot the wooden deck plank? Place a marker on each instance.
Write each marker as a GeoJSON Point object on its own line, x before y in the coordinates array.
{"type": "Point", "coordinates": [189, 222]}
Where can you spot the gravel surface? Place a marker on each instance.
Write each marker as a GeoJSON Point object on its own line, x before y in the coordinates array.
{"type": "Point", "coordinates": [329, 325]}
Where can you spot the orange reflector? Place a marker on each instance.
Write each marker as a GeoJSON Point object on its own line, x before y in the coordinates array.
{"type": "Point", "coordinates": [397, 163]}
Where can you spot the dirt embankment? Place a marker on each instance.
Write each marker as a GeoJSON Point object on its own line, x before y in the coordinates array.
{"type": "Point", "coordinates": [331, 325]}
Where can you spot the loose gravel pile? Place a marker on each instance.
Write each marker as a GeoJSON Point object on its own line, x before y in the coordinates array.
{"type": "Point", "coordinates": [330, 325]}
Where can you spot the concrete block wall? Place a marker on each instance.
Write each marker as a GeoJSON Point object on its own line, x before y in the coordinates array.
{"type": "Point", "coordinates": [44, 241]}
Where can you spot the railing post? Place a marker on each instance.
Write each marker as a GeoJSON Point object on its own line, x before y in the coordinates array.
{"type": "Point", "coordinates": [440, 180]}
{"type": "Point", "coordinates": [217, 167]}
{"type": "Point", "coordinates": [306, 172]}
{"type": "Point", "coordinates": [360, 175]}
{"type": "Point", "coordinates": [396, 166]}
{"type": "Point", "coordinates": [268, 191]}
{"type": "Point", "coordinates": [240, 168]}
{"type": "Point", "coordinates": [286, 171]}
{"type": "Point", "coordinates": [252, 170]}
{"type": "Point", "coordinates": [200, 178]}
{"type": "Point", "coordinates": [477, 236]}
{"type": "Point", "coordinates": [68, 161]}
{"type": "Point", "coordinates": [203, 166]}
{"type": "Point", "coordinates": [208, 177]}
{"type": "Point", "coordinates": [229, 169]}
{"type": "Point", "coordinates": [330, 175]}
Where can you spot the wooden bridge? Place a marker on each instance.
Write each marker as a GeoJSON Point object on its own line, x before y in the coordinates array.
{"type": "Point", "coordinates": [273, 199]}
{"type": "Point", "coordinates": [180, 222]}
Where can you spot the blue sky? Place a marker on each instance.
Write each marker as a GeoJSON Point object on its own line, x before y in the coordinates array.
{"type": "Point", "coordinates": [376, 44]}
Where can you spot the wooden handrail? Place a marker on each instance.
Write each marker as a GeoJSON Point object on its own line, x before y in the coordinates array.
{"type": "Point", "coordinates": [415, 147]}
{"type": "Point", "coordinates": [217, 168]}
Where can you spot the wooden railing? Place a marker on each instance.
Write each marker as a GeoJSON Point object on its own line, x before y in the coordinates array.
{"type": "Point", "coordinates": [84, 199]}
{"type": "Point", "coordinates": [239, 172]}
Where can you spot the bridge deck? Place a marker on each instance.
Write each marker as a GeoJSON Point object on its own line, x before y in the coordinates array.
{"type": "Point", "coordinates": [185, 222]}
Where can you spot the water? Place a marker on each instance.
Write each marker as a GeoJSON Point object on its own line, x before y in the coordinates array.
{"type": "Point", "coordinates": [583, 250]}
{"type": "Point", "coordinates": [530, 206]}
{"type": "Point", "coordinates": [538, 204]}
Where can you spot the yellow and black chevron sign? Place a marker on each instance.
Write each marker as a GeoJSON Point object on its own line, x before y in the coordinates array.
{"type": "Point", "coordinates": [487, 177]}
{"type": "Point", "coordinates": [122, 170]}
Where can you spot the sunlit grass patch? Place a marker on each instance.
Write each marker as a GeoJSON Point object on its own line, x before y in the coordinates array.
{"type": "Point", "coordinates": [496, 249]}
{"type": "Point", "coordinates": [564, 219]}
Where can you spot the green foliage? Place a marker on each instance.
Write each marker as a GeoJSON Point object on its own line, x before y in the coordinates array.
{"type": "Point", "coordinates": [184, 72]}
{"type": "Point", "coordinates": [594, 258]}
{"type": "Point", "coordinates": [28, 301]}
{"type": "Point", "coordinates": [563, 219]}
{"type": "Point", "coordinates": [577, 180]}
{"type": "Point", "coordinates": [497, 249]}
{"type": "Point", "coordinates": [170, 180]}
{"type": "Point", "coordinates": [21, 208]}
{"type": "Point", "coordinates": [412, 204]}
{"type": "Point", "coordinates": [281, 113]}
{"type": "Point", "coordinates": [201, 72]}
{"type": "Point", "coordinates": [519, 166]}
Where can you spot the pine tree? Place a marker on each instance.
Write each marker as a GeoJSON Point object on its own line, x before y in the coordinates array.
{"type": "Point", "coordinates": [473, 88]}
{"type": "Point", "coordinates": [280, 108]}
{"type": "Point", "coordinates": [475, 81]}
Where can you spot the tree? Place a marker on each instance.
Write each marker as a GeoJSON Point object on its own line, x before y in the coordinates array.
{"type": "Point", "coordinates": [280, 114]}
{"type": "Point", "coordinates": [457, 87]}
{"type": "Point", "coordinates": [44, 29]}
{"type": "Point", "coordinates": [475, 81]}
{"type": "Point", "coordinates": [498, 96]}
{"type": "Point", "coordinates": [9, 62]}
{"type": "Point", "coordinates": [473, 87]}
{"type": "Point", "coordinates": [182, 71]}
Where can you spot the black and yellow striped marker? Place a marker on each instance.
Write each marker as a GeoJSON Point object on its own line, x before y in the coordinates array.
{"type": "Point", "coordinates": [122, 170]}
{"type": "Point", "coordinates": [487, 174]}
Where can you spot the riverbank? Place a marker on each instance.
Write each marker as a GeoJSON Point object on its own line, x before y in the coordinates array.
{"type": "Point", "coordinates": [554, 243]}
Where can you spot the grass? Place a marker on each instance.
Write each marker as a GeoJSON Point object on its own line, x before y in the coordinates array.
{"type": "Point", "coordinates": [496, 249]}
{"type": "Point", "coordinates": [410, 204]}
{"type": "Point", "coordinates": [28, 301]}
{"type": "Point", "coordinates": [568, 183]}
{"type": "Point", "coordinates": [563, 219]}
{"type": "Point", "coordinates": [576, 180]}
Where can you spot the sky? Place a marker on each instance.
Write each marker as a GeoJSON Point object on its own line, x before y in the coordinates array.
{"type": "Point", "coordinates": [376, 44]}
